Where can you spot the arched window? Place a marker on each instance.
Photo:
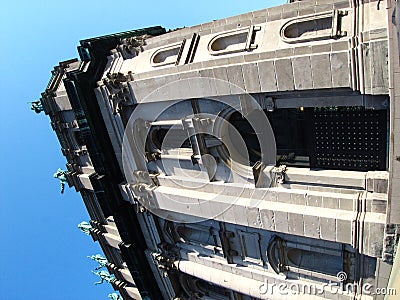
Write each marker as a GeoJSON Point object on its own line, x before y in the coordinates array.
{"type": "Point", "coordinates": [288, 257]}
{"type": "Point", "coordinates": [167, 55]}
{"type": "Point", "coordinates": [196, 288]}
{"type": "Point", "coordinates": [313, 261]}
{"type": "Point", "coordinates": [196, 234]}
{"type": "Point", "coordinates": [314, 27]}
{"type": "Point", "coordinates": [237, 40]}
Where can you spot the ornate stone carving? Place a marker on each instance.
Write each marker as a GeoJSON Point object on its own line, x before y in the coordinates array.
{"type": "Point", "coordinates": [119, 92]}
{"type": "Point", "coordinates": [144, 187]}
{"type": "Point", "coordinates": [392, 237]}
{"type": "Point", "coordinates": [131, 47]}
{"type": "Point", "coordinates": [166, 258]}
{"type": "Point", "coordinates": [279, 174]}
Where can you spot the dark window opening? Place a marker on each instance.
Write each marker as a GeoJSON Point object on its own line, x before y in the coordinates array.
{"type": "Point", "coordinates": [248, 135]}
{"type": "Point", "coordinates": [291, 135]}
{"type": "Point", "coordinates": [176, 138]}
{"type": "Point", "coordinates": [79, 138]}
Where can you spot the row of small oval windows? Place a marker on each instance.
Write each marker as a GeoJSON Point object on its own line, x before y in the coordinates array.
{"type": "Point", "coordinates": [308, 28]}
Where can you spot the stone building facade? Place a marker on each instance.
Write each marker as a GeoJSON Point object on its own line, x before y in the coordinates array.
{"type": "Point", "coordinates": [222, 160]}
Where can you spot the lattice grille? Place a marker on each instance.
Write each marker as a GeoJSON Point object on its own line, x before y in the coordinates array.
{"type": "Point", "coordinates": [349, 138]}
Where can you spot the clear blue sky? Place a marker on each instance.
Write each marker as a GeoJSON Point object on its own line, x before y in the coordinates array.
{"type": "Point", "coordinates": [43, 254]}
